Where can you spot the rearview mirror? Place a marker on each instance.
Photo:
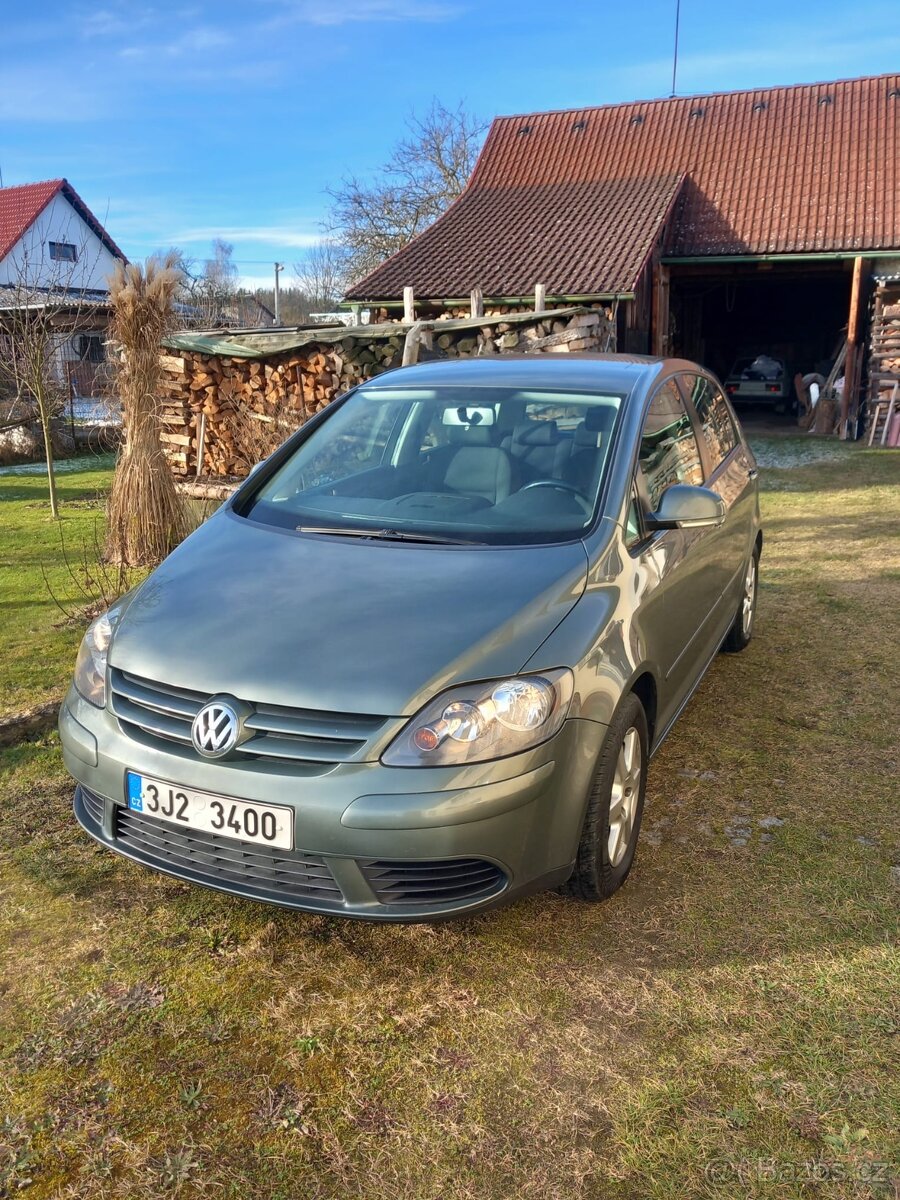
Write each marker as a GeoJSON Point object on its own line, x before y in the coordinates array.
{"type": "Point", "coordinates": [685, 507]}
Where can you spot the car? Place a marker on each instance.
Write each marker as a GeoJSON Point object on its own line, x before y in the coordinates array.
{"type": "Point", "coordinates": [761, 379]}
{"type": "Point", "coordinates": [418, 664]}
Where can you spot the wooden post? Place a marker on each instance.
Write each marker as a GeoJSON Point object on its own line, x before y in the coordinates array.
{"type": "Point", "coordinates": [854, 359]}
{"type": "Point", "coordinates": [354, 313]}
{"type": "Point", "coordinates": [409, 305]}
{"type": "Point", "coordinates": [417, 334]}
{"type": "Point", "coordinates": [540, 298]}
{"type": "Point", "coordinates": [476, 302]}
{"type": "Point", "coordinates": [659, 310]}
{"type": "Point", "coordinates": [201, 444]}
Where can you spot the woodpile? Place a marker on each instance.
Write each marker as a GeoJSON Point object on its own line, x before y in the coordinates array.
{"type": "Point", "coordinates": [240, 405]}
{"type": "Point", "coordinates": [884, 364]}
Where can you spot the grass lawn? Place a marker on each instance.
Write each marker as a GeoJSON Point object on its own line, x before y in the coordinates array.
{"type": "Point", "coordinates": [726, 1026]}
{"type": "Point", "coordinates": [38, 646]}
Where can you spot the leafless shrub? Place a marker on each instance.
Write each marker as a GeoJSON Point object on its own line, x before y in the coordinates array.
{"type": "Point", "coordinates": [94, 583]}
{"type": "Point", "coordinates": [41, 311]}
{"type": "Point", "coordinates": [256, 435]}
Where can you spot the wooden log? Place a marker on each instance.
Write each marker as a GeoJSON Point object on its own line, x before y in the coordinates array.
{"type": "Point", "coordinates": [560, 337]}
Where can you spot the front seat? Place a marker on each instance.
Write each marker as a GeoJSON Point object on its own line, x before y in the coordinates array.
{"type": "Point", "coordinates": [537, 449]}
{"type": "Point", "coordinates": [589, 448]}
{"type": "Point", "coordinates": [481, 471]}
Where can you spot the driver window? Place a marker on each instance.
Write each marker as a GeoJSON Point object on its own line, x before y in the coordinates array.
{"type": "Point", "coordinates": [669, 452]}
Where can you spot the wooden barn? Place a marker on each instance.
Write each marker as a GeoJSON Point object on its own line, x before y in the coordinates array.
{"type": "Point", "coordinates": [714, 226]}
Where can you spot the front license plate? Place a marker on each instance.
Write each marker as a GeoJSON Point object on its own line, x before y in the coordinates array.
{"type": "Point", "coordinates": [266, 824]}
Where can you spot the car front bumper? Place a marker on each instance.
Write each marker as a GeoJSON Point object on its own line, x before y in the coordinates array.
{"type": "Point", "coordinates": [373, 842]}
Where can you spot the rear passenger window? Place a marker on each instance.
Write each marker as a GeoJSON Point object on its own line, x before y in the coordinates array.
{"type": "Point", "coordinates": [718, 428]}
{"type": "Point", "coordinates": [669, 452]}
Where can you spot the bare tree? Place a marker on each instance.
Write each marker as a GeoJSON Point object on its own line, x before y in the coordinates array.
{"type": "Point", "coordinates": [204, 295]}
{"type": "Point", "coordinates": [321, 275]}
{"type": "Point", "coordinates": [41, 312]}
{"type": "Point", "coordinates": [218, 283]}
{"type": "Point", "coordinates": [426, 171]}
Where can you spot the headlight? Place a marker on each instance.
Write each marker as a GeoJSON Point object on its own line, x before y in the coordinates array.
{"type": "Point", "coordinates": [484, 721]}
{"type": "Point", "coordinates": [90, 666]}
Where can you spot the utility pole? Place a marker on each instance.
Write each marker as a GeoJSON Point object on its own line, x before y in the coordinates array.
{"type": "Point", "coordinates": [675, 58]}
{"type": "Point", "coordinates": [279, 267]}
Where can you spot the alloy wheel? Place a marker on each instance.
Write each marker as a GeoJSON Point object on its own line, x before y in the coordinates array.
{"type": "Point", "coordinates": [626, 790]}
{"type": "Point", "coordinates": [749, 603]}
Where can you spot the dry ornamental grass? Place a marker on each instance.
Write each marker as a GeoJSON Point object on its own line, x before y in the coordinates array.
{"type": "Point", "coordinates": [145, 519]}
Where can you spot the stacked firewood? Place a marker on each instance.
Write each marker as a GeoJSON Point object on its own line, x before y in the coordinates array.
{"type": "Point", "coordinates": [885, 357]}
{"type": "Point", "coordinates": [217, 395]}
{"type": "Point", "coordinates": [233, 409]}
{"type": "Point", "coordinates": [884, 362]}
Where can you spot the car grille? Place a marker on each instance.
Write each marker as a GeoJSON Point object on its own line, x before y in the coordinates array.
{"type": "Point", "coordinates": [93, 806]}
{"type": "Point", "coordinates": [219, 861]}
{"type": "Point", "coordinates": [156, 712]}
{"type": "Point", "coordinates": [288, 876]}
{"type": "Point", "coordinates": [435, 881]}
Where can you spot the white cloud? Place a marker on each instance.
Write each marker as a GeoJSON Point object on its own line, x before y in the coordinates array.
{"type": "Point", "coordinates": [200, 40]}
{"type": "Point", "coordinates": [255, 283]}
{"type": "Point", "coordinates": [345, 12]}
{"type": "Point", "coordinates": [273, 235]}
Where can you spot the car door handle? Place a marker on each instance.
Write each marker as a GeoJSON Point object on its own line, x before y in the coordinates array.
{"type": "Point", "coordinates": [753, 472]}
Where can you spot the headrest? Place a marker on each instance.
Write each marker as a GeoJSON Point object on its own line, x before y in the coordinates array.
{"type": "Point", "coordinates": [599, 418]}
{"type": "Point", "coordinates": [469, 435]}
{"type": "Point", "coordinates": [536, 433]}
{"type": "Point", "coordinates": [586, 437]}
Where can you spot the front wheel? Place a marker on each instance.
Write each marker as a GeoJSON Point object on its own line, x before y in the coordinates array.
{"type": "Point", "coordinates": [741, 631]}
{"type": "Point", "coordinates": [616, 803]}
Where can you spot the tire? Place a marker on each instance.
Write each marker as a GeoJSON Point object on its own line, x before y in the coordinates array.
{"type": "Point", "coordinates": [741, 632]}
{"type": "Point", "coordinates": [598, 871]}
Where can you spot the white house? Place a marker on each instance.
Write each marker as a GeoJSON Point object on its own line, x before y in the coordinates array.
{"type": "Point", "coordinates": [55, 253]}
{"type": "Point", "coordinates": [48, 235]}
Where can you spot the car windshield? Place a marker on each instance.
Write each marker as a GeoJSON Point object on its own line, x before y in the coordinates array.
{"type": "Point", "coordinates": [447, 464]}
{"type": "Point", "coordinates": [761, 368]}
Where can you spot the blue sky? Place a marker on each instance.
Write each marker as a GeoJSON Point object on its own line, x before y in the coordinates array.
{"type": "Point", "coordinates": [181, 122]}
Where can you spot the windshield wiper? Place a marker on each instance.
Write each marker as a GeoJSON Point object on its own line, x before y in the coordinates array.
{"type": "Point", "coordinates": [388, 535]}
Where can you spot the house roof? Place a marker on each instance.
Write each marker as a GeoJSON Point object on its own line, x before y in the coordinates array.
{"type": "Point", "coordinates": [577, 237]}
{"type": "Point", "coordinates": [805, 169]}
{"type": "Point", "coordinates": [21, 206]}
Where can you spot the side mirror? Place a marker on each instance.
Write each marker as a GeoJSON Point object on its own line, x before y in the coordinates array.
{"type": "Point", "coordinates": [685, 507]}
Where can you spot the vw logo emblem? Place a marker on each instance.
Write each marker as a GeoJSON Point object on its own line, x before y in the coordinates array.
{"type": "Point", "coordinates": [215, 729]}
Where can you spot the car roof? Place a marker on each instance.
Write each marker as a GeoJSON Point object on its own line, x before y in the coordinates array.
{"type": "Point", "coordinates": [613, 372]}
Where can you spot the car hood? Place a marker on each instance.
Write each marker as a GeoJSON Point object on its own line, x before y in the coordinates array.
{"type": "Point", "coordinates": [341, 624]}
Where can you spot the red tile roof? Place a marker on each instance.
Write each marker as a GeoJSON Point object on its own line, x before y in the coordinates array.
{"type": "Point", "coordinates": [564, 235]}
{"type": "Point", "coordinates": [21, 206]}
{"type": "Point", "coordinates": [562, 198]}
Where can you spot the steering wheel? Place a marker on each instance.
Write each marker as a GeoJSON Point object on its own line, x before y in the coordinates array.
{"type": "Point", "coordinates": [560, 486]}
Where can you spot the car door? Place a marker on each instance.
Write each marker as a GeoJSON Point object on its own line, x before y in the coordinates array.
{"type": "Point", "coordinates": [674, 598]}
{"type": "Point", "coordinates": [728, 471]}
